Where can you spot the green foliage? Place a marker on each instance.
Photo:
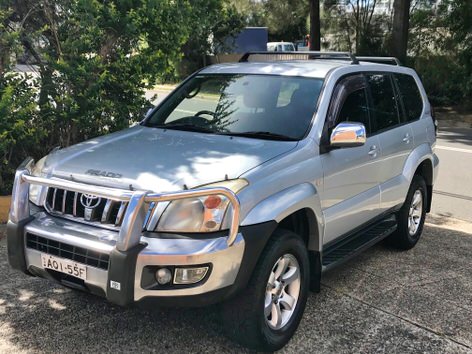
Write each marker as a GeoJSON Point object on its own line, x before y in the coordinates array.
{"type": "Point", "coordinates": [19, 133]}
{"type": "Point", "coordinates": [95, 60]}
{"type": "Point", "coordinates": [286, 19]}
{"type": "Point", "coordinates": [441, 48]}
{"type": "Point", "coordinates": [213, 22]}
{"type": "Point", "coordinates": [252, 11]}
{"type": "Point", "coordinates": [353, 25]}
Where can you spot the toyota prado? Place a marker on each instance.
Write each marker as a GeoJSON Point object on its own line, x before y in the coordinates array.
{"type": "Point", "coordinates": [242, 187]}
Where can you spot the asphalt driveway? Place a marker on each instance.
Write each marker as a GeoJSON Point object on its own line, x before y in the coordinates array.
{"type": "Point", "coordinates": [383, 301]}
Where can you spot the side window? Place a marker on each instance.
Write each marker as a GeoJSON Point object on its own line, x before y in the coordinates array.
{"type": "Point", "coordinates": [354, 109]}
{"type": "Point", "coordinates": [384, 109]}
{"type": "Point", "coordinates": [410, 96]}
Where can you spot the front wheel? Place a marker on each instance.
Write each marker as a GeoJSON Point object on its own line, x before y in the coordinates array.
{"type": "Point", "coordinates": [411, 216]}
{"type": "Point", "coordinates": [265, 316]}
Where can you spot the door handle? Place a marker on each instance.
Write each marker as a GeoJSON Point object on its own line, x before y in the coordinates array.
{"type": "Point", "coordinates": [406, 138]}
{"type": "Point", "coordinates": [373, 151]}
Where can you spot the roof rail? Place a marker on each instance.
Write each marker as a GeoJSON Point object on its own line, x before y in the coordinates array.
{"type": "Point", "coordinates": [300, 55]}
{"type": "Point", "coordinates": [381, 60]}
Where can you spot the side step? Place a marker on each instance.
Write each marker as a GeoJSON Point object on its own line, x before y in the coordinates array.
{"type": "Point", "coordinates": [347, 248]}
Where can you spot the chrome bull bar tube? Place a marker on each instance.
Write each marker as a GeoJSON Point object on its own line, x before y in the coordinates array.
{"type": "Point", "coordinates": [132, 227]}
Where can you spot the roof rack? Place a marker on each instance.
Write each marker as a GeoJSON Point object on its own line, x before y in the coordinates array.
{"type": "Point", "coordinates": [300, 55]}
{"type": "Point", "coordinates": [381, 60]}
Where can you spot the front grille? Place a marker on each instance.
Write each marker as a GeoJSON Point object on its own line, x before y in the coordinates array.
{"type": "Point", "coordinates": [73, 204]}
{"type": "Point", "coordinates": [64, 250]}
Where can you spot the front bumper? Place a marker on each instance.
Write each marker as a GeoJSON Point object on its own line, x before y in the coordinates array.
{"type": "Point", "coordinates": [129, 251]}
{"type": "Point", "coordinates": [125, 267]}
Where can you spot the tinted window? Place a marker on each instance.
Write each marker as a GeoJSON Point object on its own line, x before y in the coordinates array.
{"type": "Point", "coordinates": [410, 96]}
{"type": "Point", "coordinates": [384, 106]}
{"type": "Point", "coordinates": [232, 104]}
{"type": "Point", "coordinates": [355, 108]}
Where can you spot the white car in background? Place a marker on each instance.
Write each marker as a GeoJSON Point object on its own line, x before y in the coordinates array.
{"type": "Point", "coordinates": [280, 47]}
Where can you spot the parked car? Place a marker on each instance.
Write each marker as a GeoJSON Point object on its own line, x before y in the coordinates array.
{"type": "Point", "coordinates": [242, 187]}
{"type": "Point", "coordinates": [280, 47]}
{"type": "Point", "coordinates": [301, 45]}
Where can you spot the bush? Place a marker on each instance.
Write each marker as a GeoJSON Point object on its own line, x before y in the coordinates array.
{"type": "Point", "coordinates": [445, 79]}
{"type": "Point", "coordinates": [20, 133]}
{"type": "Point", "coordinates": [95, 61]}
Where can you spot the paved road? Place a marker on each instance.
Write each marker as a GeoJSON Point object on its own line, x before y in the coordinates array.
{"type": "Point", "coordinates": [383, 301]}
{"type": "Point", "coordinates": [453, 189]}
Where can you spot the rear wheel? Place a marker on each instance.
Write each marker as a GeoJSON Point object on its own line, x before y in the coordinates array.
{"type": "Point", "coordinates": [411, 216]}
{"type": "Point", "coordinates": [265, 316]}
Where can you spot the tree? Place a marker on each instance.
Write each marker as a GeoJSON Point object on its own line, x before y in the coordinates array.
{"type": "Point", "coordinates": [440, 43]}
{"type": "Point", "coordinates": [401, 21]}
{"type": "Point", "coordinates": [286, 19]}
{"type": "Point", "coordinates": [213, 23]}
{"type": "Point", "coordinates": [95, 60]}
{"type": "Point", "coordinates": [252, 12]}
{"type": "Point", "coordinates": [315, 25]}
{"type": "Point", "coordinates": [353, 25]}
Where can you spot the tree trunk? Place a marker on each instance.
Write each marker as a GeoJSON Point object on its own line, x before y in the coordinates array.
{"type": "Point", "coordinates": [401, 24]}
{"type": "Point", "coordinates": [315, 35]}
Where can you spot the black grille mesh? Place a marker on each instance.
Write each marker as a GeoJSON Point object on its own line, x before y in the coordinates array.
{"type": "Point", "coordinates": [64, 250]}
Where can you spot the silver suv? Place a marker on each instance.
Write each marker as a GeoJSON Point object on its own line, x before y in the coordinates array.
{"type": "Point", "coordinates": [242, 187]}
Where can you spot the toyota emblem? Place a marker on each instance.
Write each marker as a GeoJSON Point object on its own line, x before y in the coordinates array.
{"type": "Point", "coordinates": [90, 201]}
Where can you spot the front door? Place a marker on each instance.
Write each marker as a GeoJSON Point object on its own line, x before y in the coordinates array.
{"type": "Point", "coordinates": [351, 194]}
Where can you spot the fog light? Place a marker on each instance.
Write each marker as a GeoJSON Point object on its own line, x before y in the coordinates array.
{"type": "Point", "coordinates": [189, 275]}
{"type": "Point", "coordinates": [163, 276]}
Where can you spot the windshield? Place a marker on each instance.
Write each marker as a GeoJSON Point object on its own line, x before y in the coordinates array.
{"type": "Point", "coordinates": [288, 48]}
{"type": "Point", "coordinates": [261, 106]}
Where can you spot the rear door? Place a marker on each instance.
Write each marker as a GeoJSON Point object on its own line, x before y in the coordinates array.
{"type": "Point", "coordinates": [395, 136]}
{"type": "Point", "coordinates": [350, 195]}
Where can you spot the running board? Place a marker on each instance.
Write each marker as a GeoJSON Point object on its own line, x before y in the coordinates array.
{"type": "Point", "coordinates": [349, 247]}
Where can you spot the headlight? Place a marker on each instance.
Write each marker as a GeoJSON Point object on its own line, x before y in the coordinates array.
{"type": "Point", "coordinates": [202, 214]}
{"type": "Point", "coordinates": [34, 189]}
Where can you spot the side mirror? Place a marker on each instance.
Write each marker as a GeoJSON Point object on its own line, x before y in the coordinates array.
{"type": "Point", "coordinates": [348, 135]}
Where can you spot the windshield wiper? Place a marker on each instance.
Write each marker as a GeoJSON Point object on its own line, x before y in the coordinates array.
{"type": "Point", "coordinates": [185, 127]}
{"type": "Point", "coordinates": [262, 135]}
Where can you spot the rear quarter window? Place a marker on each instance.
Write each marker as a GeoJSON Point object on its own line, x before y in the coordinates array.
{"type": "Point", "coordinates": [384, 107]}
{"type": "Point", "coordinates": [410, 96]}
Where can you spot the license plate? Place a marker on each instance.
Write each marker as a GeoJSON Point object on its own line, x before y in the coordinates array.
{"type": "Point", "coordinates": [64, 266]}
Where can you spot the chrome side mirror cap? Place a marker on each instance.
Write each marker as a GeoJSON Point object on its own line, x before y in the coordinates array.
{"type": "Point", "coordinates": [348, 134]}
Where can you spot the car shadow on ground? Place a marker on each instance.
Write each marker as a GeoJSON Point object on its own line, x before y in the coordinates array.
{"type": "Point", "coordinates": [384, 300]}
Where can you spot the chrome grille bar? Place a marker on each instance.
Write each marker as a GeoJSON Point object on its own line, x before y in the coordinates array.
{"type": "Point", "coordinates": [54, 199]}
{"type": "Point", "coordinates": [64, 197]}
{"type": "Point", "coordinates": [121, 213]}
{"type": "Point", "coordinates": [74, 205]}
{"type": "Point", "coordinates": [106, 211]}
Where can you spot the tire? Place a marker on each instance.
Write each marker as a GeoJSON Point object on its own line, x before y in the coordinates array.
{"type": "Point", "coordinates": [409, 230]}
{"type": "Point", "coordinates": [244, 316]}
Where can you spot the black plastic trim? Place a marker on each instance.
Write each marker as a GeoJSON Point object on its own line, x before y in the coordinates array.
{"type": "Point", "coordinates": [122, 271]}
{"type": "Point", "coordinates": [16, 244]}
{"type": "Point", "coordinates": [200, 300]}
{"type": "Point", "coordinates": [362, 227]}
{"type": "Point", "coordinates": [357, 242]}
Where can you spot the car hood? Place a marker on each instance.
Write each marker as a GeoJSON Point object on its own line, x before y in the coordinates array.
{"type": "Point", "coordinates": [161, 160]}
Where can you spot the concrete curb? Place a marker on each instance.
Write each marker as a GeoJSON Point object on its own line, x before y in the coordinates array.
{"type": "Point", "coordinates": [448, 223]}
